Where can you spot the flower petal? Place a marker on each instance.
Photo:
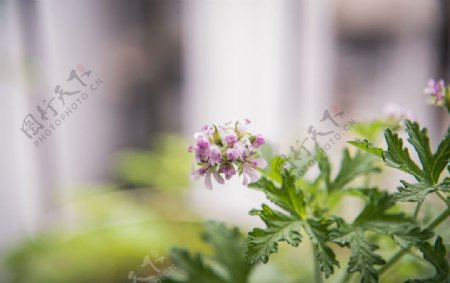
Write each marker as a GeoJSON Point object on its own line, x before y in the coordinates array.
{"type": "Point", "coordinates": [251, 172]}
{"type": "Point", "coordinates": [257, 162]}
{"type": "Point", "coordinates": [196, 175]}
{"type": "Point", "coordinates": [218, 178]}
{"type": "Point", "coordinates": [208, 183]}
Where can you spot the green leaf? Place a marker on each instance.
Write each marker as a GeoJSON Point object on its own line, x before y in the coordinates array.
{"type": "Point", "coordinates": [419, 139]}
{"type": "Point", "coordinates": [276, 165]}
{"type": "Point", "coordinates": [436, 256]}
{"type": "Point", "coordinates": [370, 130]}
{"type": "Point", "coordinates": [368, 147]}
{"type": "Point", "coordinates": [376, 217]}
{"type": "Point", "coordinates": [280, 227]}
{"type": "Point", "coordinates": [441, 157]}
{"type": "Point", "coordinates": [286, 196]}
{"type": "Point", "coordinates": [406, 235]}
{"type": "Point", "coordinates": [193, 268]}
{"type": "Point", "coordinates": [376, 209]}
{"type": "Point", "coordinates": [324, 167]}
{"type": "Point", "coordinates": [398, 157]}
{"type": "Point", "coordinates": [413, 192]}
{"type": "Point", "coordinates": [319, 234]}
{"type": "Point", "coordinates": [363, 258]}
{"type": "Point", "coordinates": [361, 164]}
{"type": "Point", "coordinates": [228, 246]}
{"type": "Point", "coordinates": [286, 227]}
{"type": "Point", "coordinates": [445, 185]}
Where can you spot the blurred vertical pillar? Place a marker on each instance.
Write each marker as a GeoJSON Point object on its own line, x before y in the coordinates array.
{"type": "Point", "coordinates": [74, 32]}
{"type": "Point", "coordinates": [269, 61]}
{"type": "Point", "coordinates": [236, 66]}
{"type": "Point", "coordinates": [235, 63]}
{"type": "Point", "coordinates": [20, 187]}
{"type": "Point", "coordinates": [315, 62]}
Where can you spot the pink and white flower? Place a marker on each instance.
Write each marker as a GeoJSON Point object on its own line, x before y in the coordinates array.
{"type": "Point", "coordinates": [227, 169]}
{"type": "Point", "coordinates": [227, 149]}
{"type": "Point", "coordinates": [230, 139]}
{"type": "Point", "coordinates": [436, 91]}
{"type": "Point", "coordinates": [215, 155]}
{"type": "Point", "coordinates": [259, 141]}
{"type": "Point", "coordinates": [207, 171]}
{"type": "Point", "coordinates": [249, 169]}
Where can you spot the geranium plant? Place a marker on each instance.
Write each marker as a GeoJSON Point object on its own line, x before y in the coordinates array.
{"type": "Point", "coordinates": [300, 207]}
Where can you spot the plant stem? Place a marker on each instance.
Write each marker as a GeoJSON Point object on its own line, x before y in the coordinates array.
{"type": "Point", "coordinates": [392, 260]}
{"type": "Point", "coordinates": [442, 198]}
{"type": "Point", "coordinates": [416, 212]}
{"type": "Point", "coordinates": [317, 274]}
{"type": "Point", "coordinates": [438, 219]}
{"type": "Point", "coordinates": [431, 225]}
{"type": "Point", "coordinates": [347, 277]}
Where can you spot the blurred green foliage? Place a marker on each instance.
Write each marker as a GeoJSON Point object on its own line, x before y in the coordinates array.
{"type": "Point", "coordinates": [109, 231]}
{"type": "Point", "coordinates": [166, 167]}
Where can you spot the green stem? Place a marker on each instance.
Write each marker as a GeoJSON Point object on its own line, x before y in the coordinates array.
{"type": "Point", "coordinates": [393, 260]}
{"type": "Point", "coordinates": [400, 253]}
{"type": "Point", "coordinates": [442, 198]}
{"type": "Point", "coordinates": [431, 225]}
{"type": "Point", "coordinates": [438, 219]}
{"type": "Point", "coordinates": [416, 212]}
{"type": "Point", "coordinates": [347, 277]}
{"type": "Point", "coordinates": [317, 274]}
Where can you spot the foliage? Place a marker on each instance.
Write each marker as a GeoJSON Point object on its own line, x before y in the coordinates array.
{"type": "Point", "coordinates": [111, 233]}
{"type": "Point", "coordinates": [226, 265]}
{"type": "Point", "coordinates": [309, 208]}
{"type": "Point", "coordinates": [165, 167]}
{"type": "Point", "coordinates": [397, 156]}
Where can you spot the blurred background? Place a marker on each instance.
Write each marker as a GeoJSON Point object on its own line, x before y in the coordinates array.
{"type": "Point", "coordinates": [86, 198]}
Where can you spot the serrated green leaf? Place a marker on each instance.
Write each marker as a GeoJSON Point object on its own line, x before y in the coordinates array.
{"type": "Point", "coordinates": [413, 192]}
{"type": "Point", "coordinates": [376, 217]}
{"type": "Point", "coordinates": [398, 156]}
{"type": "Point", "coordinates": [360, 164]}
{"type": "Point", "coordinates": [441, 157]}
{"type": "Point", "coordinates": [376, 207]}
{"type": "Point", "coordinates": [436, 256]}
{"type": "Point", "coordinates": [286, 196]}
{"type": "Point", "coordinates": [370, 130]}
{"type": "Point", "coordinates": [368, 147]}
{"type": "Point", "coordinates": [445, 185]}
{"type": "Point", "coordinates": [280, 228]}
{"type": "Point", "coordinates": [419, 139]}
{"type": "Point", "coordinates": [406, 235]}
{"type": "Point", "coordinates": [228, 246]}
{"type": "Point", "coordinates": [193, 268]}
{"type": "Point", "coordinates": [319, 234]}
{"type": "Point", "coordinates": [363, 258]}
{"type": "Point", "coordinates": [324, 167]}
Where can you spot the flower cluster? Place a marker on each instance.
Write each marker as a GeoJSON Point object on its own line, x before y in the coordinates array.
{"type": "Point", "coordinates": [436, 91]}
{"type": "Point", "coordinates": [226, 150]}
